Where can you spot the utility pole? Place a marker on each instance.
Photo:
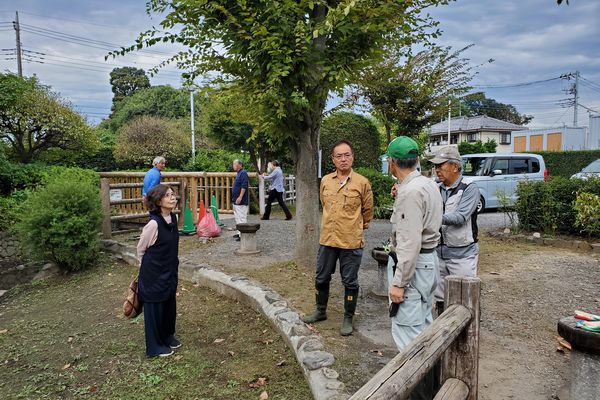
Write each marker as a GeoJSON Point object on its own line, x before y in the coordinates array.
{"type": "Point", "coordinates": [449, 116]}
{"type": "Point", "coordinates": [18, 34]}
{"type": "Point", "coordinates": [193, 132]}
{"type": "Point", "coordinates": [576, 95]}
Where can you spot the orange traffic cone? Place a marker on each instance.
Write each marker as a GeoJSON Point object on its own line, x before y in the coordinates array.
{"type": "Point", "coordinates": [201, 211]}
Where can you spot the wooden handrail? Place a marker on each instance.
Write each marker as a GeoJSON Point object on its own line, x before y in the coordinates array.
{"type": "Point", "coordinates": [453, 389]}
{"type": "Point", "coordinates": [403, 372]}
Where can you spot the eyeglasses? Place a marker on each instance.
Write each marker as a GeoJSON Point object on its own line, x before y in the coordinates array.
{"type": "Point", "coordinates": [170, 195]}
{"type": "Point", "coordinates": [341, 156]}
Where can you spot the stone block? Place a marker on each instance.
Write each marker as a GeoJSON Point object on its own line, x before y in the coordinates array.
{"type": "Point", "coordinates": [596, 248]}
{"type": "Point", "coordinates": [318, 359]}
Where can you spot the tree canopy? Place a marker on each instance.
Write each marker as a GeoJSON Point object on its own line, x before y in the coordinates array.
{"type": "Point", "coordinates": [126, 81]}
{"type": "Point", "coordinates": [409, 94]}
{"type": "Point", "coordinates": [359, 131]}
{"type": "Point", "coordinates": [37, 123]}
{"type": "Point", "coordinates": [478, 104]}
{"type": "Point", "coordinates": [287, 55]}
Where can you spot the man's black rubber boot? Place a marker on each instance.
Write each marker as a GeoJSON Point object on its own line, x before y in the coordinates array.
{"type": "Point", "coordinates": [350, 300]}
{"type": "Point", "coordinates": [321, 298]}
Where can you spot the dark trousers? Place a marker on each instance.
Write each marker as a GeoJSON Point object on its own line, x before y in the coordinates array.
{"type": "Point", "coordinates": [274, 194]}
{"type": "Point", "coordinates": [159, 326]}
{"type": "Point", "coordinates": [349, 264]}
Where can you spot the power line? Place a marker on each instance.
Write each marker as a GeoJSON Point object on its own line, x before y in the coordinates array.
{"type": "Point", "coordinates": [511, 85]}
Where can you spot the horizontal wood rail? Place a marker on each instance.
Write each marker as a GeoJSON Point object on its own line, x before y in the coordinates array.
{"type": "Point", "coordinates": [452, 337]}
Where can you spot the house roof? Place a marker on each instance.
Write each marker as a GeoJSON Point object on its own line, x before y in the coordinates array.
{"type": "Point", "coordinates": [477, 123]}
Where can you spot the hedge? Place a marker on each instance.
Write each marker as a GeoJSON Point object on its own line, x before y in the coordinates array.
{"type": "Point", "coordinates": [567, 163]}
{"type": "Point", "coordinates": [381, 186]}
{"type": "Point", "coordinates": [550, 207]}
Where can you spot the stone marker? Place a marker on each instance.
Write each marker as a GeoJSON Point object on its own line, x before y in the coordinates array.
{"type": "Point", "coordinates": [247, 238]}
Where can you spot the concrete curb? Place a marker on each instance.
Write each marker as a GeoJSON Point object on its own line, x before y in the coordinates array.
{"type": "Point", "coordinates": [577, 245]}
{"type": "Point", "coordinates": [306, 345]}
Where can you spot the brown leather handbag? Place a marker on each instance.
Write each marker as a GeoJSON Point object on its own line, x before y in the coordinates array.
{"type": "Point", "coordinates": [132, 307]}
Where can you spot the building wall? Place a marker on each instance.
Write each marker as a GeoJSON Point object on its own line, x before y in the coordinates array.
{"type": "Point", "coordinates": [593, 139]}
{"type": "Point", "coordinates": [553, 139]}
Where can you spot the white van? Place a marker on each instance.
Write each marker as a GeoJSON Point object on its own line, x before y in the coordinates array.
{"type": "Point", "coordinates": [498, 174]}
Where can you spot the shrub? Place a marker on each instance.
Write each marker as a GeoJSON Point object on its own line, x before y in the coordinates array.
{"type": "Point", "coordinates": [359, 131]}
{"type": "Point", "coordinates": [477, 147]}
{"type": "Point", "coordinates": [567, 163]}
{"type": "Point", "coordinates": [549, 206]}
{"type": "Point", "coordinates": [10, 209]}
{"type": "Point", "coordinates": [147, 137]}
{"type": "Point", "coordinates": [381, 185]}
{"type": "Point", "coordinates": [587, 206]}
{"type": "Point", "coordinates": [60, 221]}
{"type": "Point", "coordinates": [216, 161]}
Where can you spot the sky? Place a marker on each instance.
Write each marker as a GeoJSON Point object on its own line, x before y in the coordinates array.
{"type": "Point", "coordinates": [533, 43]}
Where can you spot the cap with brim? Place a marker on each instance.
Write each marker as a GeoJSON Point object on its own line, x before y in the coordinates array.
{"type": "Point", "coordinates": [446, 153]}
{"type": "Point", "coordinates": [403, 147]}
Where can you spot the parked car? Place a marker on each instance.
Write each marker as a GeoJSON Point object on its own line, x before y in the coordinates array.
{"type": "Point", "coordinates": [497, 174]}
{"type": "Point", "coordinates": [591, 171]}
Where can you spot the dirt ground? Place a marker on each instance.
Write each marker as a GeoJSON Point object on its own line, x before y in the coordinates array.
{"type": "Point", "coordinates": [526, 288]}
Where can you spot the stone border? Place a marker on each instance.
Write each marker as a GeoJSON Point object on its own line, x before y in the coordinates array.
{"type": "Point", "coordinates": [306, 345]}
{"type": "Point", "coordinates": [579, 245]}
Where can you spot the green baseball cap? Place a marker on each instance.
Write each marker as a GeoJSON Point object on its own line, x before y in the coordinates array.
{"type": "Point", "coordinates": [403, 147]}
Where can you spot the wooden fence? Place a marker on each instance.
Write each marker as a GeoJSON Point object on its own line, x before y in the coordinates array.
{"type": "Point", "coordinates": [121, 194]}
{"type": "Point", "coordinates": [453, 337]}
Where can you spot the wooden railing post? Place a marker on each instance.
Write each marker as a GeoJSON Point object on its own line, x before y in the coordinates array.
{"type": "Point", "coordinates": [261, 194]}
{"type": "Point", "coordinates": [182, 200]}
{"type": "Point", "coordinates": [105, 197]}
{"type": "Point", "coordinates": [461, 360]}
{"type": "Point", "coordinates": [194, 198]}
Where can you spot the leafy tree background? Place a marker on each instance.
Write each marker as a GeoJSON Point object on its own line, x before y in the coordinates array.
{"type": "Point", "coordinates": [359, 131]}
{"type": "Point", "coordinates": [126, 81]}
{"type": "Point", "coordinates": [478, 104]}
{"type": "Point", "coordinates": [37, 124]}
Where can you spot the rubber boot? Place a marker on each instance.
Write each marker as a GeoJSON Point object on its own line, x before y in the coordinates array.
{"type": "Point", "coordinates": [350, 300]}
{"type": "Point", "coordinates": [321, 298]}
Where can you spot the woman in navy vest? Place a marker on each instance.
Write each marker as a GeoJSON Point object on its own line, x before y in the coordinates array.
{"type": "Point", "coordinates": [158, 250]}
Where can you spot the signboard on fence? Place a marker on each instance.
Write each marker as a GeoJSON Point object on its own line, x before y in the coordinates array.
{"type": "Point", "coordinates": [115, 194]}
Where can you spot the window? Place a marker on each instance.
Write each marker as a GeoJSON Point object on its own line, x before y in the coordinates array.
{"type": "Point", "coordinates": [535, 165]}
{"type": "Point", "coordinates": [473, 166]}
{"type": "Point", "coordinates": [505, 138]}
{"type": "Point", "coordinates": [472, 137]}
{"type": "Point", "coordinates": [502, 165]}
{"type": "Point", "coordinates": [519, 166]}
{"type": "Point", "coordinates": [453, 139]}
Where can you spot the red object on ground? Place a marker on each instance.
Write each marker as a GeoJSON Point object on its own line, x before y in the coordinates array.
{"type": "Point", "coordinates": [201, 211]}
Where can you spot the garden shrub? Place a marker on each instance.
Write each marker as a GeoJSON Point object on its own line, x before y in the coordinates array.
{"type": "Point", "coordinates": [587, 206]}
{"type": "Point", "coordinates": [218, 160]}
{"type": "Point", "coordinates": [61, 220]}
{"type": "Point", "coordinates": [10, 209]}
{"type": "Point", "coordinates": [477, 147]}
{"type": "Point", "coordinates": [549, 206]}
{"type": "Point", "coordinates": [381, 185]}
{"type": "Point", "coordinates": [359, 131]}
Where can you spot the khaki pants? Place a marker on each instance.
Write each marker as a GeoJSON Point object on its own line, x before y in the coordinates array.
{"type": "Point", "coordinates": [466, 266]}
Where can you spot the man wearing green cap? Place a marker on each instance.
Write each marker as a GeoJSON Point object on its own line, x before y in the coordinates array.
{"type": "Point", "coordinates": [413, 262]}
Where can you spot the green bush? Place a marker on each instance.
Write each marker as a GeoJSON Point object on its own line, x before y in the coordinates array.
{"type": "Point", "coordinates": [477, 147]}
{"type": "Point", "coordinates": [10, 209]}
{"type": "Point", "coordinates": [567, 163]}
{"type": "Point", "coordinates": [549, 206]}
{"type": "Point", "coordinates": [17, 176]}
{"type": "Point", "coordinates": [60, 221]}
{"type": "Point", "coordinates": [587, 206]}
{"type": "Point", "coordinates": [381, 185]}
{"type": "Point", "coordinates": [216, 161]}
{"type": "Point", "coordinates": [359, 131]}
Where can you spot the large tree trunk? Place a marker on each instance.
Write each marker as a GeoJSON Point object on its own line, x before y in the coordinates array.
{"type": "Point", "coordinates": [307, 197]}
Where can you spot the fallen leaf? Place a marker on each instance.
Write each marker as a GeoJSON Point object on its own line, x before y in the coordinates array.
{"type": "Point", "coordinates": [494, 273]}
{"type": "Point", "coordinates": [93, 389]}
{"type": "Point", "coordinates": [265, 331]}
{"type": "Point", "coordinates": [268, 341]}
{"type": "Point", "coordinates": [184, 289]}
{"type": "Point", "coordinates": [281, 363]}
{"type": "Point", "coordinates": [4, 331]}
{"type": "Point", "coordinates": [263, 396]}
{"type": "Point", "coordinates": [258, 382]}
{"type": "Point", "coordinates": [219, 340]}
{"type": "Point", "coordinates": [231, 353]}
{"type": "Point", "coordinates": [66, 366]}
{"type": "Point", "coordinates": [564, 343]}
{"type": "Point", "coordinates": [178, 357]}
{"type": "Point", "coordinates": [70, 339]}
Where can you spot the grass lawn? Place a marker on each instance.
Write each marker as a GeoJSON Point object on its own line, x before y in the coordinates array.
{"type": "Point", "coordinates": [66, 338]}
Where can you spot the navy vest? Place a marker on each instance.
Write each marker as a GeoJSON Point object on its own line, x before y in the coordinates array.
{"type": "Point", "coordinates": [159, 272]}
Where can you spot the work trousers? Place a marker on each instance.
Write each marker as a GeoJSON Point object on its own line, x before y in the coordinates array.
{"type": "Point", "coordinates": [349, 264]}
{"type": "Point", "coordinates": [466, 266]}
